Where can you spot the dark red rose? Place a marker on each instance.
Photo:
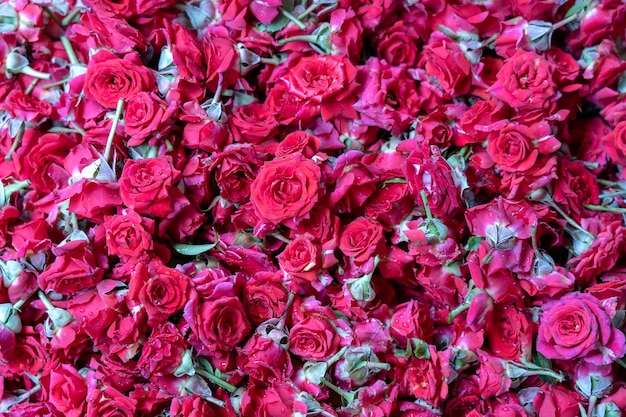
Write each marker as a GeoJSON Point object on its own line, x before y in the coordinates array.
{"type": "Point", "coordinates": [301, 259]}
{"type": "Point", "coordinates": [146, 115]}
{"type": "Point", "coordinates": [313, 339]}
{"type": "Point", "coordinates": [67, 391]}
{"type": "Point", "coordinates": [109, 402]}
{"type": "Point", "coordinates": [509, 333]}
{"type": "Point", "coordinates": [235, 169]}
{"type": "Point", "coordinates": [285, 189]}
{"type": "Point", "coordinates": [161, 290]}
{"type": "Point", "coordinates": [444, 60]}
{"type": "Point", "coordinates": [274, 400]}
{"type": "Point", "coordinates": [74, 269]}
{"type": "Point", "coordinates": [26, 107]}
{"type": "Point", "coordinates": [219, 324]}
{"type": "Point", "coordinates": [325, 80]}
{"type": "Point", "coordinates": [265, 297]}
{"type": "Point", "coordinates": [128, 235]}
{"type": "Point", "coordinates": [399, 44]}
{"type": "Point", "coordinates": [302, 142]}
{"type": "Point", "coordinates": [186, 52]}
{"type": "Point", "coordinates": [252, 123]}
{"type": "Point", "coordinates": [163, 352]}
{"type": "Point", "coordinates": [526, 82]}
{"type": "Point", "coordinates": [109, 78]}
{"type": "Point", "coordinates": [574, 187]}
{"type": "Point", "coordinates": [146, 185]}
{"type": "Point", "coordinates": [362, 239]}
{"type": "Point", "coordinates": [221, 57]}
{"type": "Point", "coordinates": [264, 359]}
{"type": "Point", "coordinates": [390, 204]}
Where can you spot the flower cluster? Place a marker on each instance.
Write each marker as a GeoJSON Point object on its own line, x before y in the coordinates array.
{"type": "Point", "coordinates": [333, 208]}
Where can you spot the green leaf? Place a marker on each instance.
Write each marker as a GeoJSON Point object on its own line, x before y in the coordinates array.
{"type": "Point", "coordinates": [577, 8]}
{"type": "Point", "coordinates": [193, 250]}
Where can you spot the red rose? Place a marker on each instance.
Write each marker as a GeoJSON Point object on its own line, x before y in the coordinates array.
{"type": "Point", "coordinates": [235, 169]}
{"type": "Point", "coordinates": [26, 107]}
{"type": "Point", "coordinates": [145, 115]}
{"type": "Point", "coordinates": [111, 33]}
{"type": "Point", "coordinates": [302, 142]}
{"type": "Point", "coordinates": [390, 204]}
{"type": "Point", "coordinates": [615, 143]}
{"type": "Point", "coordinates": [67, 391]}
{"type": "Point", "coordinates": [110, 78]}
{"type": "Point", "coordinates": [41, 160]}
{"type": "Point", "coordinates": [252, 123]}
{"type": "Point", "coordinates": [186, 52]}
{"type": "Point", "coordinates": [425, 169]}
{"type": "Point", "coordinates": [128, 235]}
{"type": "Point", "coordinates": [285, 189]}
{"type": "Point", "coordinates": [525, 82]}
{"type": "Point", "coordinates": [492, 377]}
{"type": "Point", "coordinates": [219, 324]}
{"type": "Point", "coordinates": [409, 321]}
{"type": "Point", "coordinates": [196, 406]}
{"type": "Point", "coordinates": [265, 297]}
{"type": "Point", "coordinates": [574, 187]}
{"type": "Point", "coordinates": [161, 290]}
{"type": "Point", "coordinates": [313, 339]}
{"type": "Point", "coordinates": [275, 400]}
{"type": "Point", "coordinates": [399, 44]}
{"type": "Point", "coordinates": [362, 239]}
{"type": "Point", "coordinates": [325, 80]}
{"type": "Point", "coordinates": [301, 259]}
{"type": "Point", "coordinates": [109, 402]}
{"type": "Point", "coordinates": [509, 332]}
{"type": "Point", "coordinates": [556, 401]}
{"type": "Point", "coordinates": [146, 185]}
{"type": "Point", "coordinates": [163, 352]}
{"type": "Point", "coordinates": [387, 98]}
{"type": "Point", "coordinates": [264, 359]}
{"type": "Point", "coordinates": [74, 269]}
{"type": "Point", "coordinates": [93, 199]}
{"type": "Point", "coordinates": [579, 326]}
{"type": "Point", "coordinates": [221, 57]}
{"type": "Point", "coordinates": [112, 8]}
{"type": "Point", "coordinates": [518, 148]}
{"type": "Point", "coordinates": [444, 60]}
{"type": "Point", "coordinates": [424, 378]}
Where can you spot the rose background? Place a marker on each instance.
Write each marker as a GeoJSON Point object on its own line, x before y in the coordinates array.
{"type": "Point", "coordinates": [313, 208]}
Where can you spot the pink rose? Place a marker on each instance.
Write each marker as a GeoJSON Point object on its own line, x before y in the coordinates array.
{"type": "Point", "coordinates": [67, 391]}
{"type": "Point", "coordinates": [314, 339]}
{"type": "Point", "coordinates": [579, 326]}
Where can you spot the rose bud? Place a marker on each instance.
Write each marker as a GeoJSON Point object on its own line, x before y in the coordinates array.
{"type": "Point", "coordinates": [357, 365]}
{"type": "Point", "coordinates": [10, 325]}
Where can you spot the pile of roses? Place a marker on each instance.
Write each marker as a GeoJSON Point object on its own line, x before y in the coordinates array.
{"type": "Point", "coordinates": [376, 208]}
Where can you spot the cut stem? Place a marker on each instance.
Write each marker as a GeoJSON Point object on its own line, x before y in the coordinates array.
{"type": "Point", "coordinates": [348, 396]}
{"type": "Point", "coordinates": [293, 18]}
{"type": "Point", "coordinates": [309, 10]}
{"type": "Point", "coordinates": [45, 300]}
{"type": "Point", "coordinates": [31, 87]}
{"type": "Point", "coordinates": [217, 381]}
{"type": "Point", "coordinates": [604, 208]}
{"type": "Point", "coordinates": [116, 120]}
{"type": "Point", "coordinates": [55, 83]}
{"type": "Point", "coordinates": [571, 221]}
{"type": "Point", "coordinates": [461, 308]}
{"type": "Point", "coordinates": [68, 19]}
{"type": "Point", "coordinates": [429, 214]}
{"type": "Point", "coordinates": [69, 50]}
{"type": "Point", "coordinates": [16, 143]}
{"type": "Point", "coordinates": [27, 70]}
{"type": "Point", "coordinates": [614, 194]}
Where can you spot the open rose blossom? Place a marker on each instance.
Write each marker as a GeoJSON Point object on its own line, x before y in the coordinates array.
{"type": "Point", "coordinates": [322, 208]}
{"type": "Point", "coordinates": [579, 326]}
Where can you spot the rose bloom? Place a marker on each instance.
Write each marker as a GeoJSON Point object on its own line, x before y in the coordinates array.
{"type": "Point", "coordinates": [163, 352]}
{"type": "Point", "coordinates": [110, 78]}
{"type": "Point", "coordinates": [399, 44]}
{"type": "Point", "coordinates": [326, 80]}
{"type": "Point", "coordinates": [235, 169]}
{"type": "Point", "coordinates": [264, 296]}
{"type": "Point", "coordinates": [285, 189]}
{"type": "Point", "coordinates": [301, 259]}
{"type": "Point", "coordinates": [408, 322]}
{"type": "Point", "coordinates": [161, 290]}
{"type": "Point", "coordinates": [303, 142]}
{"type": "Point", "coordinates": [252, 123]}
{"type": "Point", "coordinates": [67, 391]}
{"type": "Point", "coordinates": [74, 269]}
{"type": "Point", "coordinates": [579, 326]}
{"type": "Point", "coordinates": [525, 82]}
{"type": "Point", "coordinates": [509, 333]}
{"type": "Point", "coordinates": [313, 339]}
{"type": "Point", "coordinates": [615, 143]}
{"type": "Point", "coordinates": [219, 324]}
{"type": "Point", "coordinates": [362, 239]}
{"type": "Point", "coordinates": [556, 401]}
{"type": "Point", "coordinates": [146, 185]}
{"type": "Point", "coordinates": [127, 235]}
{"type": "Point", "coordinates": [109, 402]}
{"type": "Point", "coordinates": [277, 399]}
{"type": "Point", "coordinates": [574, 187]}
{"type": "Point", "coordinates": [26, 107]}
{"type": "Point", "coordinates": [387, 97]}
{"type": "Point", "coordinates": [444, 60]}
{"type": "Point", "coordinates": [264, 359]}
{"type": "Point", "coordinates": [146, 114]}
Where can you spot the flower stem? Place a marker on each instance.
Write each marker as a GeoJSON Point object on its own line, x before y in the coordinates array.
{"type": "Point", "coordinates": [292, 18]}
{"type": "Point", "coordinates": [461, 308]}
{"type": "Point", "coordinates": [16, 143]}
{"type": "Point", "coordinates": [31, 87]}
{"type": "Point", "coordinates": [16, 186]}
{"type": "Point", "coordinates": [217, 381]}
{"type": "Point", "coordinates": [604, 208]}
{"type": "Point", "coordinates": [592, 405]}
{"type": "Point", "coordinates": [564, 22]}
{"type": "Point", "coordinates": [45, 300]}
{"type": "Point", "coordinates": [19, 304]}
{"type": "Point", "coordinates": [614, 194]}
{"type": "Point", "coordinates": [68, 19]}
{"type": "Point", "coordinates": [348, 396]}
{"type": "Point", "coordinates": [571, 221]}
{"type": "Point", "coordinates": [429, 214]}
{"type": "Point", "coordinates": [116, 119]}
{"type": "Point", "coordinates": [298, 38]}
{"type": "Point", "coordinates": [69, 50]}
{"type": "Point", "coordinates": [309, 10]}
{"type": "Point", "coordinates": [27, 70]}
{"type": "Point", "coordinates": [54, 84]}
